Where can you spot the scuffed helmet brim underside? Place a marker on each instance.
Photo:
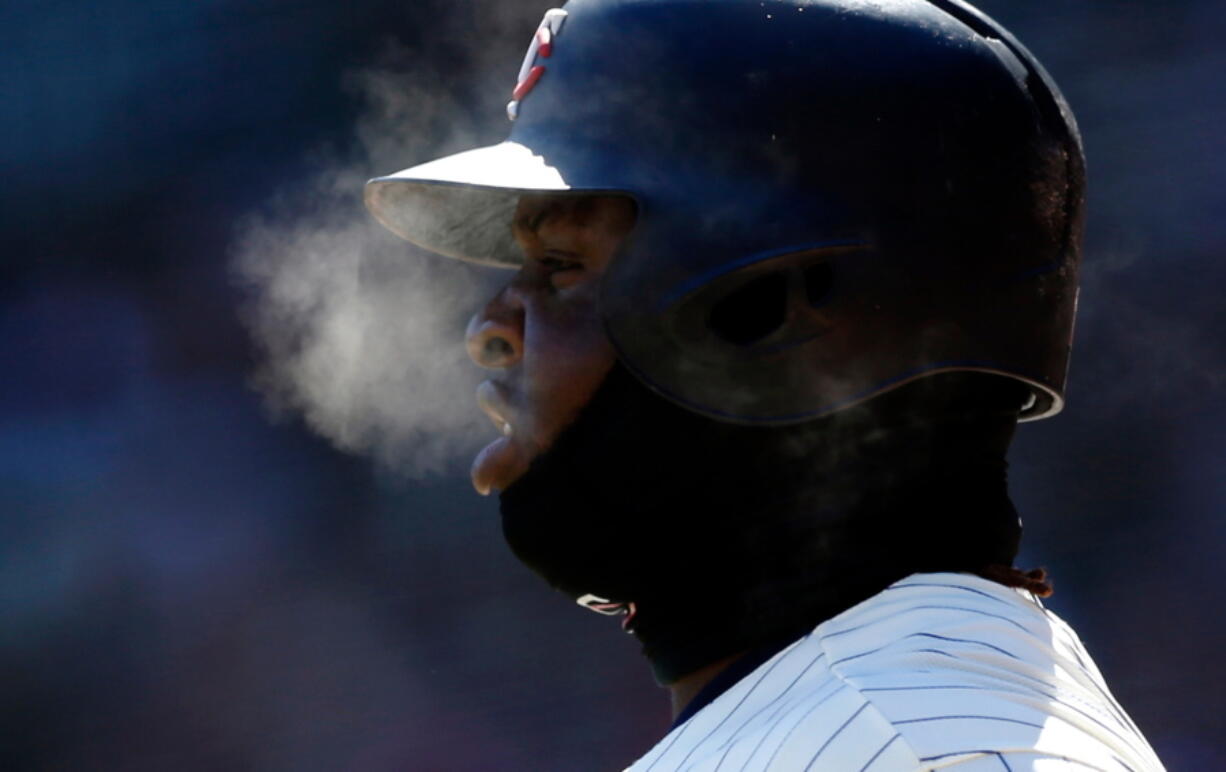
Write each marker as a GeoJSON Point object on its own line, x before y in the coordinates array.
{"type": "Point", "coordinates": [462, 205]}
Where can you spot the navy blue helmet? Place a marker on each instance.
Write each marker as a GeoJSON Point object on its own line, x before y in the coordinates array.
{"type": "Point", "coordinates": [835, 197]}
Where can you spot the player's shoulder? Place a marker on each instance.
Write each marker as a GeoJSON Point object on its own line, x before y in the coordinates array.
{"type": "Point", "coordinates": [966, 668]}
{"type": "Point", "coordinates": [938, 670]}
{"type": "Point", "coordinates": [959, 625]}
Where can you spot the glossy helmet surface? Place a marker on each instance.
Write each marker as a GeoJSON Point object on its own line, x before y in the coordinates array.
{"type": "Point", "coordinates": [835, 197]}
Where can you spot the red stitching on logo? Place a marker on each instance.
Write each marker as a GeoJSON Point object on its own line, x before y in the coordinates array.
{"type": "Point", "coordinates": [524, 86]}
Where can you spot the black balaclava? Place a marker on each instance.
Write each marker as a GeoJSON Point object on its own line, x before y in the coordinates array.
{"type": "Point", "coordinates": [727, 537]}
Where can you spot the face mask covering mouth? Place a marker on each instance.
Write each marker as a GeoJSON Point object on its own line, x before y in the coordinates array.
{"type": "Point", "coordinates": [721, 538]}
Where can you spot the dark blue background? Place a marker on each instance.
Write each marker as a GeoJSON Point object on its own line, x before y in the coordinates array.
{"type": "Point", "coordinates": [187, 585]}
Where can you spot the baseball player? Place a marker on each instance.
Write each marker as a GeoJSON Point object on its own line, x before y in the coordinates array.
{"type": "Point", "coordinates": [787, 274]}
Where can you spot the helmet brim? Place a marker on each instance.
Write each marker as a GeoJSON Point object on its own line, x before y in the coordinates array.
{"type": "Point", "coordinates": [462, 205]}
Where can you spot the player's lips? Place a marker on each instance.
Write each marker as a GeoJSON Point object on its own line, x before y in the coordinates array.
{"type": "Point", "coordinates": [503, 460]}
{"type": "Point", "coordinates": [492, 399]}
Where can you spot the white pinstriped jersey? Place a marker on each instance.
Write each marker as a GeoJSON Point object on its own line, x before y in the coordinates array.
{"type": "Point", "coordinates": [938, 671]}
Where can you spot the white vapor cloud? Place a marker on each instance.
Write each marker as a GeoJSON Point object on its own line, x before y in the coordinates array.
{"type": "Point", "coordinates": [360, 333]}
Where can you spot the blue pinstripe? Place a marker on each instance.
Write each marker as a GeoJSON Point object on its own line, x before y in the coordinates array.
{"type": "Point", "coordinates": [880, 751]}
{"type": "Point", "coordinates": [832, 737]}
{"type": "Point", "coordinates": [729, 744]}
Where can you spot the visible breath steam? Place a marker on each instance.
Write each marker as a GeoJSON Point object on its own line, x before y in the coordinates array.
{"type": "Point", "coordinates": [361, 333]}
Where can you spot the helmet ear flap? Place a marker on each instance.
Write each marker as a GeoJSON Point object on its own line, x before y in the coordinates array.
{"type": "Point", "coordinates": [761, 306]}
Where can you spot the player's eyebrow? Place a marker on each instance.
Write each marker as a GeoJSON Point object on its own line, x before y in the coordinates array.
{"type": "Point", "coordinates": [531, 219]}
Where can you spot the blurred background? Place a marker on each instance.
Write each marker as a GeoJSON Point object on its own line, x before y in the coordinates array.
{"type": "Point", "coordinates": [193, 579]}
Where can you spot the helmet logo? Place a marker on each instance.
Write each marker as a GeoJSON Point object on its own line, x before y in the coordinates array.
{"type": "Point", "coordinates": [541, 46]}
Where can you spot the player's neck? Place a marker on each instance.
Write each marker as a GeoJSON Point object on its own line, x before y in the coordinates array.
{"type": "Point", "coordinates": [686, 688]}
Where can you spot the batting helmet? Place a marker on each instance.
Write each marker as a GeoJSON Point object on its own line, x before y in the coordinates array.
{"type": "Point", "coordinates": [835, 197]}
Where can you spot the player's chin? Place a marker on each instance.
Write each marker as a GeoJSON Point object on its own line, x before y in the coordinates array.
{"type": "Point", "coordinates": [499, 464]}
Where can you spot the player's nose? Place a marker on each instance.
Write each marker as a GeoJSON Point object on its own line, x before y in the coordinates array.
{"type": "Point", "coordinates": [495, 335]}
